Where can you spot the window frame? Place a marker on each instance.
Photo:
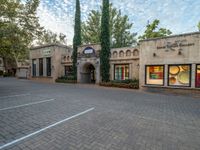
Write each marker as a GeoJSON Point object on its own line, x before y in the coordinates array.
{"type": "Point", "coordinates": [41, 73]}
{"type": "Point", "coordinates": [196, 76]}
{"type": "Point", "coordinates": [128, 70]}
{"type": "Point", "coordinates": [190, 73]}
{"type": "Point", "coordinates": [145, 76]}
{"type": "Point", "coordinates": [34, 69]}
{"type": "Point", "coordinates": [48, 71]}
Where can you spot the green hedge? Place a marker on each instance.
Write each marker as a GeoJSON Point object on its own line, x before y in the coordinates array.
{"type": "Point", "coordinates": [131, 84]}
{"type": "Point", "coordinates": [66, 79]}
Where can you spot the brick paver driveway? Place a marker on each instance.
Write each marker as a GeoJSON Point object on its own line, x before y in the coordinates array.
{"type": "Point", "coordinates": [82, 117]}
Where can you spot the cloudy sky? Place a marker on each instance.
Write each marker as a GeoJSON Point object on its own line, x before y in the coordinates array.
{"type": "Point", "coordinates": [180, 16]}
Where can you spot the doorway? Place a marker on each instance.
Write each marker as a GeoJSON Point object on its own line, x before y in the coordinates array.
{"type": "Point", "coordinates": [88, 74]}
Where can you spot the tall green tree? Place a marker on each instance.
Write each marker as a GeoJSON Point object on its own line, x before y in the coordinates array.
{"type": "Point", "coordinates": [105, 43]}
{"type": "Point", "coordinates": [198, 25]}
{"type": "Point", "coordinates": [120, 28]}
{"type": "Point", "coordinates": [77, 37]}
{"type": "Point", "coordinates": [19, 27]}
{"type": "Point", "coordinates": [153, 31]}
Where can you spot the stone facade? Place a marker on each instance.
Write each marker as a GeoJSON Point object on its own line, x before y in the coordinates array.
{"type": "Point", "coordinates": [60, 56]}
{"type": "Point", "coordinates": [172, 53]}
{"type": "Point", "coordinates": [125, 55]}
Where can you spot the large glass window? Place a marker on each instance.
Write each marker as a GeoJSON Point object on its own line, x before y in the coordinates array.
{"type": "Point", "coordinates": [48, 61]}
{"type": "Point", "coordinates": [155, 75]}
{"type": "Point", "coordinates": [179, 75]}
{"type": "Point", "coordinates": [122, 72]}
{"type": "Point", "coordinates": [34, 67]}
{"type": "Point", "coordinates": [198, 76]}
{"type": "Point", "coordinates": [68, 71]}
{"type": "Point", "coordinates": [41, 66]}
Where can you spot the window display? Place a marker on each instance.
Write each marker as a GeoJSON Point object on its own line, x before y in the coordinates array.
{"type": "Point", "coordinates": [198, 76]}
{"type": "Point", "coordinates": [155, 75]}
{"type": "Point", "coordinates": [121, 72]}
{"type": "Point", "coordinates": [179, 75]}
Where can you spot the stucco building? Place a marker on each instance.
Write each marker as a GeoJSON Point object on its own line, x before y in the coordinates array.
{"type": "Point", "coordinates": [48, 62]}
{"type": "Point", "coordinates": [171, 62]}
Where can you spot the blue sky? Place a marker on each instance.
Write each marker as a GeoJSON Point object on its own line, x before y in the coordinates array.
{"type": "Point", "coordinates": [180, 16]}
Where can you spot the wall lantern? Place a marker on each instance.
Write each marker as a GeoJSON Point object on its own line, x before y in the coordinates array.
{"type": "Point", "coordinates": [154, 55]}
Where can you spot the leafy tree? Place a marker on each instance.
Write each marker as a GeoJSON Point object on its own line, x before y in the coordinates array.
{"type": "Point", "coordinates": [48, 36]}
{"type": "Point", "coordinates": [153, 31]}
{"type": "Point", "coordinates": [19, 27]}
{"type": "Point", "coordinates": [119, 27]}
{"type": "Point", "coordinates": [77, 37]}
{"type": "Point", "coordinates": [198, 25]}
{"type": "Point", "coordinates": [105, 42]}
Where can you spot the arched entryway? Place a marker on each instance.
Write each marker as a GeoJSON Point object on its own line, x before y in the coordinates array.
{"type": "Point", "coordinates": [88, 74]}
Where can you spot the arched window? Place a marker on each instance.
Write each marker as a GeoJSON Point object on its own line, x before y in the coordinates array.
{"type": "Point", "coordinates": [121, 54]}
{"type": "Point", "coordinates": [128, 53]}
{"type": "Point", "coordinates": [135, 52]}
{"type": "Point", "coordinates": [115, 54]}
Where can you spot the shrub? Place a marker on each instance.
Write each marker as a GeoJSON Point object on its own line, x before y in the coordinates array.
{"type": "Point", "coordinates": [66, 79]}
{"type": "Point", "coordinates": [132, 84]}
{"type": "Point", "coordinates": [1, 73]}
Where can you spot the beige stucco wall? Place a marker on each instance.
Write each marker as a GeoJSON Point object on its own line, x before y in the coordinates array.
{"type": "Point", "coordinates": [57, 54]}
{"type": "Point", "coordinates": [155, 52]}
{"type": "Point", "coordinates": [125, 55]}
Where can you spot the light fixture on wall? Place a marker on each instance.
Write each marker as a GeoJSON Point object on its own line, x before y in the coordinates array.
{"type": "Point", "coordinates": [97, 62]}
{"type": "Point", "coordinates": [154, 55]}
{"type": "Point", "coordinates": [179, 51]}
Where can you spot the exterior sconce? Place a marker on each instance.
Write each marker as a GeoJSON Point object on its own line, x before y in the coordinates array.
{"type": "Point", "coordinates": [179, 51]}
{"type": "Point", "coordinates": [138, 66]}
{"type": "Point", "coordinates": [97, 62]}
{"type": "Point", "coordinates": [154, 55]}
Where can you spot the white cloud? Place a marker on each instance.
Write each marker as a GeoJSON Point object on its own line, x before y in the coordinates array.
{"type": "Point", "coordinates": [177, 15]}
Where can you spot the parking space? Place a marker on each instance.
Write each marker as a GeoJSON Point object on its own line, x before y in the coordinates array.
{"type": "Point", "coordinates": [58, 116]}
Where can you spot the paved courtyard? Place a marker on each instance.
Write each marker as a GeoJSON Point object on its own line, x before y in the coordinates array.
{"type": "Point", "coordinates": [39, 116]}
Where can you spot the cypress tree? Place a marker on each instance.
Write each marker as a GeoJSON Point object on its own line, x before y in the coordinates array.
{"type": "Point", "coordinates": [77, 37]}
{"type": "Point", "coordinates": [105, 43]}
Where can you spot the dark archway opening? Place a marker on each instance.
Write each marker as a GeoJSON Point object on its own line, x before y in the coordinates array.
{"type": "Point", "coordinates": [88, 74]}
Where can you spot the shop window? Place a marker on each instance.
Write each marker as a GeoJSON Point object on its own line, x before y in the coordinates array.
{"type": "Point", "coordinates": [155, 75]}
{"type": "Point", "coordinates": [34, 67]}
{"type": "Point", "coordinates": [198, 76]}
{"type": "Point", "coordinates": [68, 71]}
{"type": "Point", "coordinates": [41, 66]}
{"type": "Point", "coordinates": [121, 72]}
{"type": "Point", "coordinates": [48, 63]}
{"type": "Point", "coordinates": [179, 75]}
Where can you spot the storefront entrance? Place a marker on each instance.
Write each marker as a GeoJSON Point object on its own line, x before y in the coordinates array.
{"type": "Point", "coordinates": [88, 74]}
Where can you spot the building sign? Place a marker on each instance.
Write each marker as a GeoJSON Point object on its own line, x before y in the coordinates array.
{"type": "Point", "coordinates": [88, 50]}
{"type": "Point", "coordinates": [46, 52]}
{"type": "Point", "coordinates": [176, 44]}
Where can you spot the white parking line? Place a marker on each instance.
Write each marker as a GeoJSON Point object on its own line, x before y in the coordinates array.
{"type": "Point", "coordinates": [14, 95]}
{"type": "Point", "coordinates": [43, 129]}
{"type": "Point", "coordinates": [34, 103]}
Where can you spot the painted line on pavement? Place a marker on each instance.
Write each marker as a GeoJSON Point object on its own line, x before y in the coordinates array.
{"type": "Point", "coordinates": [14, 95]}
{"type": "Point", "coordinates": [43, 129]}
{"type": "Point", "coordinates": [28, 104]}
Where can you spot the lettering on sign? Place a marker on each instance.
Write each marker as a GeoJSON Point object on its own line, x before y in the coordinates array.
{"type": "Point", "coordinates": [88, 50]}
{"type": "Point", "coordinates": [177, 44]}
{"type": "Point", "coordinates": [46, 52]}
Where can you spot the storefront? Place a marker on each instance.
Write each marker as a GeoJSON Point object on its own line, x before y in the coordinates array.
{"type": "Point", "coordinates": [170, 62]}
{"type": "Point", "coordinates": [48, 62]}
{"type": "Point", "coordinates": [124, 63]}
